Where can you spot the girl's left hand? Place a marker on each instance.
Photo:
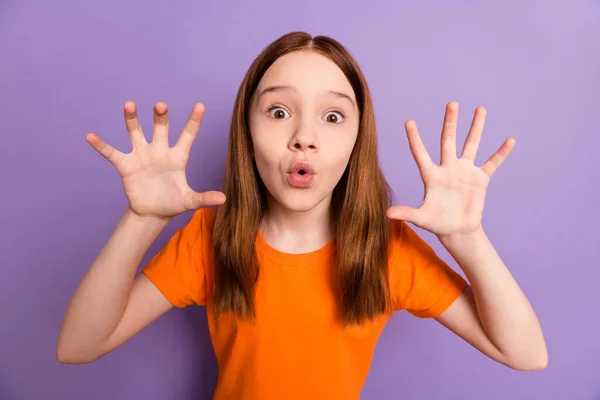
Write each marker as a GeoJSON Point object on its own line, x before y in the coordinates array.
{"type": "Point", "coordinates": [454, 190]}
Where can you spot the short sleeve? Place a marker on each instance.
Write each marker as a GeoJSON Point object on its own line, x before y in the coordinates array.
{"type": "Point", "coordinates": [421, 282]}
{"type": "Point", "coordinates": [177, 270]}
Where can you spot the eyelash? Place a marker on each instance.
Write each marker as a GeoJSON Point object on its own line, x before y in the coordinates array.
{"type": "Point", "coordinates": [274, 106]}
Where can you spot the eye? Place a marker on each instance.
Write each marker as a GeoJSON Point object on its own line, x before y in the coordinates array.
{"type": "Point", "coordinates": [334, 117]}
{"type": "Point", "coordinates": [278, 113]}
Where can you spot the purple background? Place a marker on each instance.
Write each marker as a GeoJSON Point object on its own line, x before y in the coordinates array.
{"type": "Point", "coordinates": [66, 68]}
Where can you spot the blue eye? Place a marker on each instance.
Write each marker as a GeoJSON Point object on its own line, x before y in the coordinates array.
{"type": "Point", "coordinates": [334, 117]}
{"type": "Point", "coordinates": [278, 113]}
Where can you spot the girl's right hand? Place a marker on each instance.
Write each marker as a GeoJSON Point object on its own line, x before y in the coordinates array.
{"type": "Point", "coordinates": [153, 173]}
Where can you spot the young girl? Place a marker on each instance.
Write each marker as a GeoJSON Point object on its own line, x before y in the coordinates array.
{"type": "Point", "coordinates": [304, 259]}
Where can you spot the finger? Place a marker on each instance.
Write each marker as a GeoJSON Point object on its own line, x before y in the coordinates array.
{"type": "Point", "coordinates": [195, 200]}
{"type": "Point", "coordinates": [417, 148]}
{"type": "Point", "coordinates": [404, 213]}
{"type": "Point", "coordinates": [161, 125]}
{"type": "Point", "coordinates": [494, 162]}
{"type": "Point", "coordinates": [448, 141]}
{"type": "Point", "coordinates": [134, 129]}
{"type": "Point", "coordinates": [191, 128]}
{"type": "Point", "coordinates": [110, 153]}
{"type": "Point", "coordinates": [474, 137]}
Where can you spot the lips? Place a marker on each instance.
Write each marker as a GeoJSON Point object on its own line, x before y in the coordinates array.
{"type": "Point", "coordinates": [302, 168]}
{"type": "Point", "coordinates": [300, 175]}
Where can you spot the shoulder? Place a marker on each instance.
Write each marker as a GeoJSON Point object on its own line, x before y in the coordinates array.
{"type": "Point", "coordinates": [398, 230]}
{"type": "Point", "coordinates": [178, 270]}
{"type": "Point", "coordinates": [202, 222]}
{"type": "Point", "coordinates": [192, 237]}
{"type": "Point", "coordinates": [421, 281]}
{"type": "Point", "coordinates": [410, 255]}
{"type": "Point", "coordinates": [208, 214]}
{"type": "Point", "coordinates": [406, 243]}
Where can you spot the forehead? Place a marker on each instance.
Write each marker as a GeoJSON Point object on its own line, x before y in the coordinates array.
{"type": "Point", "coordinates": [308, 71]}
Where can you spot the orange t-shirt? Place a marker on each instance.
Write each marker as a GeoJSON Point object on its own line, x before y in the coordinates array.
{"type": "Point", "coordinates": [297, 349]}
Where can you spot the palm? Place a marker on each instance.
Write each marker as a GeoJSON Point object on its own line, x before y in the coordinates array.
{"type": "Point", "coordinates": [153, 174]}
{"type": "Point", "coordinates": [454, 198]}
{"type": "Point", "coordinates": [156, 183]}
{"type": "Point", "coordinates": [454, 190]}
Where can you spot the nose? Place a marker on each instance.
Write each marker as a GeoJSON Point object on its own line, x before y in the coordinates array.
{"type": "Point", "coordinates": [305, 137]}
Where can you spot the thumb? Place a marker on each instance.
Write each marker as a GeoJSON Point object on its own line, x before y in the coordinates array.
{"type": "Point", "coordinates": [196, 200]}
{"type": "Point", "coordinates": [404, 213]}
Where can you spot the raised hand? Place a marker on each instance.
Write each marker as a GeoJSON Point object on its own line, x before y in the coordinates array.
{"type": "Point", "coordinates": [153, 173]}
{"type": "Point", "coordinates": [454, 190]}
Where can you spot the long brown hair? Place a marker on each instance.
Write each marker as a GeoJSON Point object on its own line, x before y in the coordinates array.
{"type": "Point", "coordinates": [359, 201]}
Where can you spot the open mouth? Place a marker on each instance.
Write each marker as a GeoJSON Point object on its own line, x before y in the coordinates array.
{"type": "Point", "coordinates": [301, 174]}
{"type": "Point", "coordinates": [300, 179]}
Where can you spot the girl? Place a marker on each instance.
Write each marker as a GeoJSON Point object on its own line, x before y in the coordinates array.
{"type": "Point", "coordinates": [304, 259]}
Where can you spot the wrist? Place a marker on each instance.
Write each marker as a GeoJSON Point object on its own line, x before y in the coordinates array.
{"type": "Point", "coordinates": [458, 239]}
{"type": "Point", "coordinates": [149, 221]}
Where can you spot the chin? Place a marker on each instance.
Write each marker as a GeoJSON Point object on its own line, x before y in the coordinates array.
{"type": "Point", "coordinates": [300, 205]}
{"type": "Point", "coordinates": [302, 201]}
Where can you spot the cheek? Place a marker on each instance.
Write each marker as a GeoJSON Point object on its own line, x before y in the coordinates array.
{"type": "Point", "coordinates": [266, 136]}
{"type": "Point", "coordinates": [339, 146]}
{"type": "Point", "coordinates": [267, 156]}
{"type": "Point", "coordinates": [269, 142]}
{"type": "Point", "coordinates": [268, 153]}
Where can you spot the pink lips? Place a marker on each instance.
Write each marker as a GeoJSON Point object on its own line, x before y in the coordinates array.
{"type": "Point", "coordinates": [300, 175]}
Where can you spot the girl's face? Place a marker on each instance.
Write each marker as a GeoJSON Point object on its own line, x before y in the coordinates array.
{"type": "Point", "coordinates": [303, 122]}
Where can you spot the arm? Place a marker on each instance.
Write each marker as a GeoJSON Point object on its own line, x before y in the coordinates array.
{"type": "Point", "coordinates": [493, 314]}
{"type": "Point", "coordinates": [111, 304]}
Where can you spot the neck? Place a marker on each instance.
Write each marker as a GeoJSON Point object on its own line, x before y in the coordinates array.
{"type": "Point", "coordinates": [294, 231]}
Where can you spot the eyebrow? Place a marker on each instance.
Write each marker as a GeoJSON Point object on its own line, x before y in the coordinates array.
{"type": "Point", "coordinates": [331, 93]}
